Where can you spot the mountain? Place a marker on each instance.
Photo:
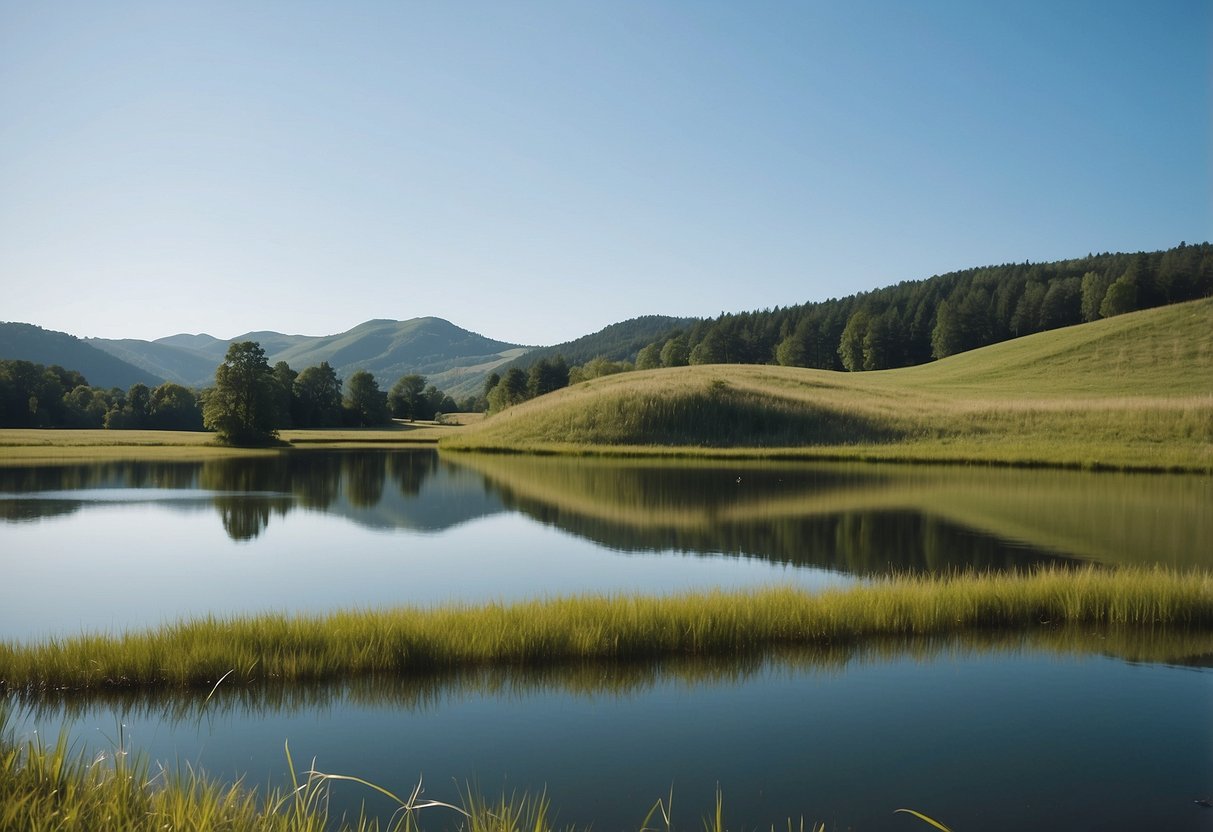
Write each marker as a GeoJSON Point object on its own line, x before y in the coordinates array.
{"type": "Point", "coordinates": [453, 359]}
{"type": "Point", "coordinates": [43, 346]}
{"type": "Point", "coordinates": [166, 362]}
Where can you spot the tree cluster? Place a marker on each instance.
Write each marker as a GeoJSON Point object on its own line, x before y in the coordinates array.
{"type": "Point", "coordinates": [252, 401]}
{"type": "Point", "coordinates": [35, 396]}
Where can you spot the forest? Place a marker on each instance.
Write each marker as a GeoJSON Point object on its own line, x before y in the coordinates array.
{"type": "Point", "coordinates": [914, 322]}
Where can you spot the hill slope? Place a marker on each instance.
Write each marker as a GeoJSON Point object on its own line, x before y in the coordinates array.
{"type": "Point", "coordinates": [1131, 391]}
{"type": "Point", "coordinates": [43, 346]}
{"type": "Point", "coordinates": [452, 358]}
{"type": "Point", "coordinates": [618, 342]}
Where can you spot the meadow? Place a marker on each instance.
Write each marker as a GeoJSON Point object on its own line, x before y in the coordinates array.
{"type": "Point", "coordinates": [1133, 392]}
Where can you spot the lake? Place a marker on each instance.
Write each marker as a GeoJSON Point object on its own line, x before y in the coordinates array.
{"type": "Point", "coordinates": [1009, 733]}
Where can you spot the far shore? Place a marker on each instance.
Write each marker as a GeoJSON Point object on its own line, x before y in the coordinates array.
{"type": "Point", "coordinates": [23, 447]}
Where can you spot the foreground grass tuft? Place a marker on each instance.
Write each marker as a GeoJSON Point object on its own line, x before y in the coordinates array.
{"type": "Point", "coordinates": [280, 648]}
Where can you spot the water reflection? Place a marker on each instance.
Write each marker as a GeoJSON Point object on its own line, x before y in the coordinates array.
{"type": "Point", "coordinates": [858, 519]}
{"type": "Point", "coordinates": [420, 691]}
{"type": "Point", "coordinates": [996, 732]}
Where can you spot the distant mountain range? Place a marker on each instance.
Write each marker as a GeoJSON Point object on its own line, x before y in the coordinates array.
{"type": "Point", "coordinates": [42, 346]}
{"type": "Point", "coordinates": [453, 359]}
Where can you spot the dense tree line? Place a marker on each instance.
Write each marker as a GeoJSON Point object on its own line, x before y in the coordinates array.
{"type": "Point", "coordinates": [915, 321]}
{"type": "Point", "coordinates": [249, 403]}
{"type": "Point", "coordinates": [35, 396]}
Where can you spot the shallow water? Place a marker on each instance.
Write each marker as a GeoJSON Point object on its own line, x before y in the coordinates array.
{"type": "Point", "coordinates": [1056, 733]}
{"type": "Point", "coordinates": [117, 545]}
{"type": "Point", "coordinates": [1002, 739]}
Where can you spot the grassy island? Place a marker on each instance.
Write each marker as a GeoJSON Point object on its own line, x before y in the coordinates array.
{"type": "Point", "coordinates": [283, 648]}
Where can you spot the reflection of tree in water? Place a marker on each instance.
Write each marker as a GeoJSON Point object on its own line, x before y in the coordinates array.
{"type": "Point", "coordinates": [314, 479]}
{"type": "Point", "coordinates": [99, 475]}
{"type": "Point", "coordinates": [248, 490]}
{"type": "Point", "coordinates": [411, 470]}
{"type": "Point", "coordinates": [244, 518]}
{"type": "Point", "coordinates": [364, 475]}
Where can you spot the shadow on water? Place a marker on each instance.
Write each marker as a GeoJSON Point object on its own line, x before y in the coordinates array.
{"type": "Point", "coordinates": [853, 518]}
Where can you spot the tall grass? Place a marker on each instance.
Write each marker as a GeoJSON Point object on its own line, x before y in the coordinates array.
{"type": "Point", "coordinates": [252, 649]}
{"type": "Point", "coordinates": [51, 787]}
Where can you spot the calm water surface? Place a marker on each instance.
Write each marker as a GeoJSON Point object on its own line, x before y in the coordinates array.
{"type": "Point", "coordinates": [1019, 736]}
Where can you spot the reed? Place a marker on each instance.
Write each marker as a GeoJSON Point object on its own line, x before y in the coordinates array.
{"type": "Point", "coordinates": [50, 787]}
{"type": "Point", "coordinates": [207, 652]}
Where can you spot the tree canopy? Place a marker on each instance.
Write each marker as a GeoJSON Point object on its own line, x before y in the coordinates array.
{"type": "Point", "coordinates": [244, 407]}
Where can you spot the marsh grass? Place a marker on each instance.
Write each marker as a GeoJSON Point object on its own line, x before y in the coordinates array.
{"type": "Point", "coordinates": [52, 787]}
{"type": "Point", "coordinates": [279, 648]}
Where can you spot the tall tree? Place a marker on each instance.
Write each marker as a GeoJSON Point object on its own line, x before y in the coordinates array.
{"type": "Point", "coordinates": [317, 397]}
{"type": "Point", "coordinates": [406, 400]}
{"type": "Point", "coordinates": [366, 403]}
{"type": "Point", "coordinates": [243, 406]}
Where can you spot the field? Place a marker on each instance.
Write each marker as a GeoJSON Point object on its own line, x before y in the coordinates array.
{"type": "Point", "coordinates": [19, 446]}
{"type": "Point", "coordinates": [1133, 392]}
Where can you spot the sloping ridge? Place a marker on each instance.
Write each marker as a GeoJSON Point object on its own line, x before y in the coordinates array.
{"type": "Point", "coordinates": [389, 349]}
{"type": "Point", "coordinates": [27, 342]}
{"type": "Point", "coordinates": [1157, 354]}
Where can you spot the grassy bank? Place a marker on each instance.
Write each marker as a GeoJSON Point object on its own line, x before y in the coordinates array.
{"type": "Point", "coordinates": [203, 653]}
{"type": "Point", "coordinates": [1132, 392]}
{"type": "Point", "coordinates": [24, 446]}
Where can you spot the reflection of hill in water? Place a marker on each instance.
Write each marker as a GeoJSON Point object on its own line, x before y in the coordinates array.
{"type": "Point", "coordinates": [410, 490]}
{"type": "Point", "coordinates": [856, 518]}
{"type": "Point", "coordinates": [865, 518]}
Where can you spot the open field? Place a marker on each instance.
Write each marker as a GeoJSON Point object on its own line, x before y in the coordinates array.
{"type": "Point", "coordinates": [1132, 392]}
{"type": "Point", "coordinates": [284, 648]}
{"type": "Point", "coordinates": [22, 446]}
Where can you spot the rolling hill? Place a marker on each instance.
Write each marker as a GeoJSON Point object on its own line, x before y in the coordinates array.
{"type": "Point", "coordinates": [27, 342]}
{"type": "Point", "coordinates": [1135, 390]}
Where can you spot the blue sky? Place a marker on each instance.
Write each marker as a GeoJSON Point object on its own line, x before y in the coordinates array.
{"type": "Point", "coordinates": [536, 171]}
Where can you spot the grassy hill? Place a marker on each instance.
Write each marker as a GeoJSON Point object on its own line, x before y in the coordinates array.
{"type": "Point", "coordinates": [1132, 391]}
{"type": "Point", "coordinates": [27, 342]}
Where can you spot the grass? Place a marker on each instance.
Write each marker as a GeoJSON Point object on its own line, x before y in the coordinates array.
{"type": "Point", "coordinates": [50, 787]}
{"type": "Point", "coordinates": [1132, 392]}
{"type": "Point", "coordinates": [27, 446]}
{"type": "Point", "coordinates": [203, 653]}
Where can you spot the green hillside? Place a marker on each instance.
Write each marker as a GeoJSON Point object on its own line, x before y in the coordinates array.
{"type": "Point", "coordinates": [162, 360]}
{"type": "Point", "coordinates": [454, 359]}
{"type": "Point", "coordinates": [27, 342]}
{"type": "Point", "coordinates": [617, 342]}
{"type": "Point", "coordinates": [1132, 391]}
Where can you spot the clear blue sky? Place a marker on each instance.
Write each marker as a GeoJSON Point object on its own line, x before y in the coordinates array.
{"type": "Point", "coordinates": [536, 171]}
